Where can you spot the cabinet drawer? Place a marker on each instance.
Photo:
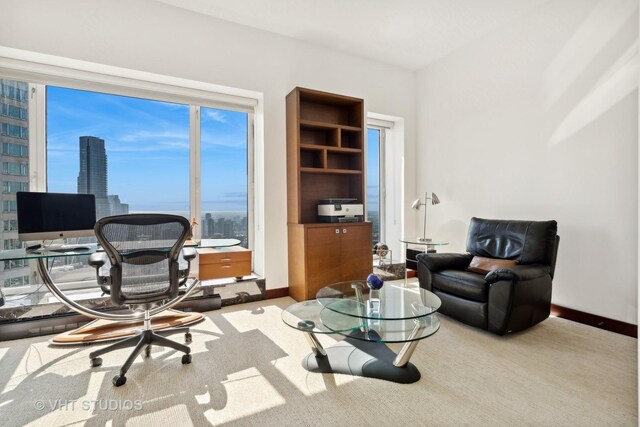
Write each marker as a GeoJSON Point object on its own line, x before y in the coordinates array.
{"type": "Point", "coordinates": [225, 269]}
{"type": "Point", "coordinates": [224, 255]}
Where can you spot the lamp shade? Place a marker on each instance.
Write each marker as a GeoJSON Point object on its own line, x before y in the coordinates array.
{"type": "Point", "coordinates": [416, 204]}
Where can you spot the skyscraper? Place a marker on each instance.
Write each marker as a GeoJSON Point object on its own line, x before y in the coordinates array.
{"type": "Point", "coordinates": [14, 137]}
{"type": "Point", "coordinates": [92, 178]}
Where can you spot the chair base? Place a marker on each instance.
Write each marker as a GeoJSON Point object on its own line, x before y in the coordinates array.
{"type": "Point", "coordinates": [143, 342]}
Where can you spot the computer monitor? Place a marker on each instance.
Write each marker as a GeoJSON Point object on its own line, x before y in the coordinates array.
{"type": "Point", "coordinates": [50, 216]}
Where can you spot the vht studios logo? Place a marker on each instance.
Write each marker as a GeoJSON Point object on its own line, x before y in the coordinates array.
{"type": "Point", "coordinates": [87, 405]}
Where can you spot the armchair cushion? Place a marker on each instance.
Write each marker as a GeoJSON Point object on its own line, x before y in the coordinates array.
{"type": "Point", "coordinates": [436, 262]}
{"type": "Point", "coordinates": [482, 265]}
{"type": "Point", "coordinates": [518, 272]}
{"type": "Point", "coordinates": [464, 284]}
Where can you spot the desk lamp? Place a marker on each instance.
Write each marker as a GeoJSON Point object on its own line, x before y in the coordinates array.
{"type": "Point", "coordinates": [416, 205]}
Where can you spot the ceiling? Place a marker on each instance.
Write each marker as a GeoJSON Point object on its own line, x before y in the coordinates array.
{"type": "Point", "coordinates": [406, 33]}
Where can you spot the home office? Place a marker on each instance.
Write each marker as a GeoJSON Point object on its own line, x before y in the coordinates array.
{"type": "Point", "coordinates": [447, 89]}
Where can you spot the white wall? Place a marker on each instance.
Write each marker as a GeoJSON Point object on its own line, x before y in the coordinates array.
{"type": "Point", "coordinates": [154, 37]}
{"type": "Point", "coordinates": [539, 120]}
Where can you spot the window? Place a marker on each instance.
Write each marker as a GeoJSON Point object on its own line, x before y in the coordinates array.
{"type": "Point", "coordinates": [16, 281]}
{"type": "Point", "coordinates": [13, 111]}
{"type": "Point", "coordinates": [375, 175]}
{"type": "Point", "coordinates": [151, 134]}
{"type": "Point", "coordinates": [19, 169]}
{"type": "Point", "coordinates": [9, 206]}
{"type": "Point", "coordinates": [17, 150]}
{"type": "Point", "coordinates": [10, 225]}
{"type": "Point", "coordinates": [224, 169]}
{"type": "Point", "coordinates": [14, 131]}
{"type": "Point", "coordinates": [12, 244]}
{"type": "Point", "coordinates": [131, 153]}
{"type": "Point", "coordinates": [12, 187]}
{"type": "Point", "coordinates": [16, 263]}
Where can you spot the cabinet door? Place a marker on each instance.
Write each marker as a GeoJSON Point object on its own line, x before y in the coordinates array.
{"type": "Point", "coordinates": [323, 258]}
{"type": "Point", "coordinates": [357, 260]}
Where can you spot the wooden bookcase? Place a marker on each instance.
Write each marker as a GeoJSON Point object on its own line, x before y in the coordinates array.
{"type": "Point", "coordinates": [325, 159]}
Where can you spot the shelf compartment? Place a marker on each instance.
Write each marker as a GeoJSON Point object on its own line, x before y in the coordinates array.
{"type": "Point", "coordinates": [344, 161]}
{"type": "Point", "coordinates": [343, 112]}
{"type": "Point", "coordinates": [319, 135]}
{"type": "Point", "coordinates": [330, 186]}
{"type": "Point", "coordinates": [351, 139]}
{"type": "Point", "coordinates": [331, 171]}
{"type": "Point", "coordinates": [312, 158]}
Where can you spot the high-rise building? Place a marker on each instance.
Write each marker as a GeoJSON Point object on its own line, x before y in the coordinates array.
{"type": "Point", "coordinates": [14, 139]}
{"type": "Point", "coordinates": [116, 207]}
{"type": "Point", "coordinates": [92, 178]}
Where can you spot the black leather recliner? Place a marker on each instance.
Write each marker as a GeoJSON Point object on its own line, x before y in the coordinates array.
{"type": "Point", "coordinates": [504, 300]}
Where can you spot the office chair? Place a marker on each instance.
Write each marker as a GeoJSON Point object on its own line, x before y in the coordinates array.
{"type": "Point", "coordinates": [142, 254]}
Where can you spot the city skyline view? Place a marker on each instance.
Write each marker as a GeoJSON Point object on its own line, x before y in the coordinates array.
{"type": "Point", "coordinates": [148, 144]}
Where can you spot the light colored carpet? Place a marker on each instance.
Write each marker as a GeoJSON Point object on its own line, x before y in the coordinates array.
{"type": "Point", "coordinates": [246, 371]}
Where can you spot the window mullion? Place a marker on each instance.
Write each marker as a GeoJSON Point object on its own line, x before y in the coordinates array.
{"type": "Point", "coordinates": [195, 165]}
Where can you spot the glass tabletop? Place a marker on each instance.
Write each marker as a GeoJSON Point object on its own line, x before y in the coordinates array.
{"type": "Point", "coordinates": [89, 248]}
{"type": "Point", "coordinates": [309, 316]}
{"type": "Point", "coordinates": [393, 301]}
{"type": "Point", "coordinates": [417, 241]}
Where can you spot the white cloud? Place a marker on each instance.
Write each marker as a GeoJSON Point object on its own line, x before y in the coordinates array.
{"type": "Point", "coordinates": [215, 115]}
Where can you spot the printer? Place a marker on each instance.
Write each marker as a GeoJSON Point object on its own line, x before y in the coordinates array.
{"type": "Point", "coordinates": [340, 210]}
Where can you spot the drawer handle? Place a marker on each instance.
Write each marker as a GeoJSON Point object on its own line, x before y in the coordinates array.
{"type": "Point", "coordinates": [225, 259]}
{"type": "Point", "coordinates": [227, 266]}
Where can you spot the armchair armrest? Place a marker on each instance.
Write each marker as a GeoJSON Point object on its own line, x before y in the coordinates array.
{"type": "Point", "coordinates": [444, 261]}
{"type": "Point", "coordinates": [518, 272]}
{"type": "Point", "coordinates": [97, 260]}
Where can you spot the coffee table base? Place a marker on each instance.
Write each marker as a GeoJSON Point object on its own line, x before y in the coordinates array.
{"type": "Point", "coordinates": [362, 358]}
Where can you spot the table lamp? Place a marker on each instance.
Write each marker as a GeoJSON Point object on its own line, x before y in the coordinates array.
{"type": "Point", "coordinates": [416, 205]}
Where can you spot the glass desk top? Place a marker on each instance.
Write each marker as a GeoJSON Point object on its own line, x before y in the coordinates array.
{"type": "Point", "coordinates": [416, 241]}
{"type": "Point", "coordinates": [89, 248]}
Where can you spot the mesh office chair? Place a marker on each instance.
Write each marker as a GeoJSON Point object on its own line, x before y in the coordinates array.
{"type": "Point", "coordinates": [142, 253]}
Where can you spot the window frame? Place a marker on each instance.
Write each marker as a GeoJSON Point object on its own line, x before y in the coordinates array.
{"type": "Point", "coordinates": [42, 70]}
{"type": "Point", "coordinates": [382, 190]}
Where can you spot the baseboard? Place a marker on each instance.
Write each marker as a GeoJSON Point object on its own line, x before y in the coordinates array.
{"type": "Point", "coordinates": [276, 293]}
{"type": "Point", "coordinates": [605, 323]}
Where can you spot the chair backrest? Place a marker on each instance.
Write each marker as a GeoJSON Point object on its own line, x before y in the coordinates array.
{"type": "Point", "coordinates": [143, 250]}
{"type": "Point", "coordinates": [528, 242]}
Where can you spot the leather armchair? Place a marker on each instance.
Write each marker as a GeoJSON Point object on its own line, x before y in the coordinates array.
{"type": "Point", "coordinates": [504, 300]}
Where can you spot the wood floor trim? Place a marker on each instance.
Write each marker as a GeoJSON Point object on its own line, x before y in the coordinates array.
{"type": "Point", "coordinates": [276, 293]}
{"type": "Point", "coordinates": [596, 321]}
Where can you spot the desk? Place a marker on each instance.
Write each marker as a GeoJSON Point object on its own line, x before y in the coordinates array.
{"type": "Point", "coordinates": [430, 244]}
{"type": "Point", "coordinates": [43, 255]}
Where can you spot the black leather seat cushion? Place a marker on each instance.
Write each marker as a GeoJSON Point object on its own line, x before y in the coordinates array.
{"type": "Point", "coordinates": [463, 284]}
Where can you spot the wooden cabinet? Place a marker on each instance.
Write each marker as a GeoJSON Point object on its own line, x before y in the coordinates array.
{"type": "Point", "coordinates": [218, 263]}
{"type": "Point", "coordinates": [326, 254]}
{"type": "Point", "coordinates": [325, 159]}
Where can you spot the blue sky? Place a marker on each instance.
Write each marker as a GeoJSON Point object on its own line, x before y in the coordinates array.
{"type": "Point", "coordinates": [147, 144]}
{"type": "Point", "coordinates": [373, 169]}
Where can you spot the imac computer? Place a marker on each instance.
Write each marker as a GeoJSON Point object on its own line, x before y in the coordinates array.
{"type": "Point", "coordinates": [51, 216]}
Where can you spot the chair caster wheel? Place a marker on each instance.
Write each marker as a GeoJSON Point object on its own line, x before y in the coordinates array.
{"type": "Point", "coordinates": [119, 380]}
{"type": "Point", "coordinates": [187, 337]}
{"type": "Point", "coordinates": [96, 361]}
{"type": "Point", "coordinates": [147, 351]}
{"type": "Point", "coordinates": [186, 359]}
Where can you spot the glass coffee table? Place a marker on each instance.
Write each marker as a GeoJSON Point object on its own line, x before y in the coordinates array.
{"type": "Point", "coordinates": [368, 319]}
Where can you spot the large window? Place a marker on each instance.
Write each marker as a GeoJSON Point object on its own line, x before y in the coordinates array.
{"type": "Point", "coordinates": [375, 177]}
{"type": "Point", "coordinates": [173, 154]}
{"type": "Point", "coordinates": [224, 169]}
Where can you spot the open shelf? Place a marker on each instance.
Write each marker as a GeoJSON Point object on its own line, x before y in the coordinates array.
{"type": "Point", "coordinates": [330, 171]}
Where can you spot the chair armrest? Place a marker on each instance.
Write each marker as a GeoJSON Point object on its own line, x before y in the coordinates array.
{"type": "Point", "coordinates": [436, 262]}
{"type": "Point", "coordinates": [518, 272]}
{"type": "Point", "coordinates": [97, 259]}
{"type": "Point", "coordinates": [189, 254]}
